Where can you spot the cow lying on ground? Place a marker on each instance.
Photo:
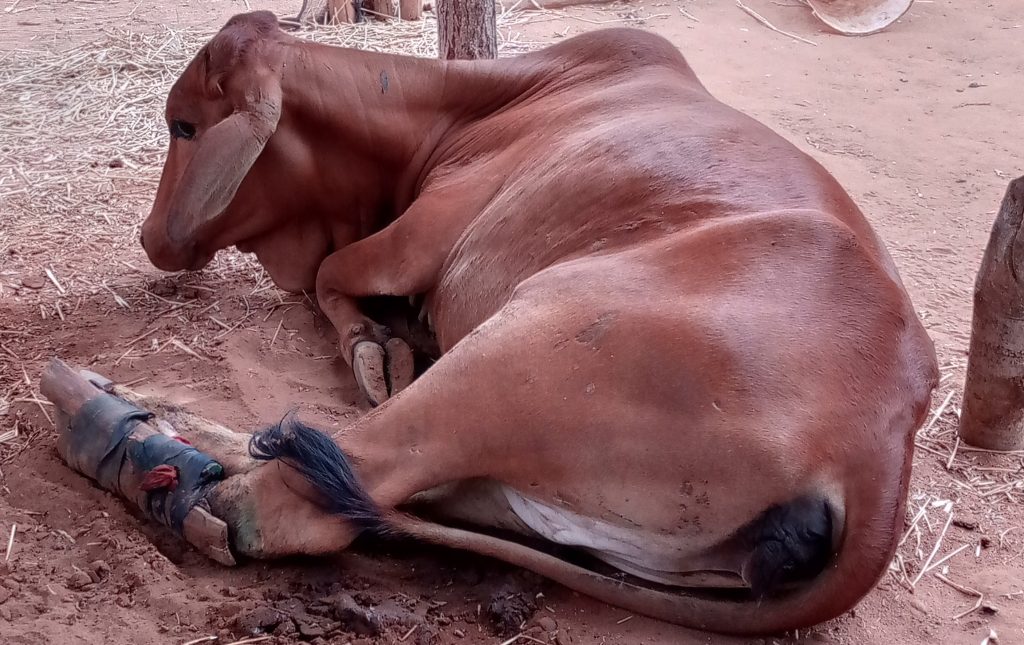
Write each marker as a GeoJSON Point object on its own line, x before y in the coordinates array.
{"type": "Point", "coordinates": [668, 339]}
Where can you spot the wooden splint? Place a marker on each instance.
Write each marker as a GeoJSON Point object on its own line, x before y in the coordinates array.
{"type": "Point", "coordinates": [119, 446]}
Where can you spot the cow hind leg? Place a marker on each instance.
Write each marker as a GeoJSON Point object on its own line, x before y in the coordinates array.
{"type": "Point", "coordinates": [784, 553]}
{"type": "Point", "coordinates": [268, 508]}
{"type": "Point", "coordinates": [312, 494]}
{"type": "Point", "coordinates": [318, 459]}
{"type": "Point", "coordinates": [230, 448]}
{"type": "Point", "coordinates": [781, 558]}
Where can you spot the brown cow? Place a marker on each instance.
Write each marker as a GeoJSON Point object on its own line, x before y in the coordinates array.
{"type": "Point", "coordinates": [668, 339]}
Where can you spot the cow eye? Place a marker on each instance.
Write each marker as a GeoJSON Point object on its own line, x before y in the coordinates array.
{"type": "Point", "coordinates": [182, 130]}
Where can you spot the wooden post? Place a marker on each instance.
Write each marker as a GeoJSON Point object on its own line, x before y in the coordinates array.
{"type": "Point", "coordinates": [993, 409]}
{"type": "Point", "coordinates": [467, 29]}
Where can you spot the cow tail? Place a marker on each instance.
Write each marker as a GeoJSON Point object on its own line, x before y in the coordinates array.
{"type": "Point", "coordinates": [835, 590]}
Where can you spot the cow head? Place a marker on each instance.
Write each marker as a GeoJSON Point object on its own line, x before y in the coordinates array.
{"type": "Point", "coordinates": [220, 113]}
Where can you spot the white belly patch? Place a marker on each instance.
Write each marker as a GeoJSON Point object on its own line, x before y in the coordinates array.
{"type": "Point", "coordinates": [651, 556]}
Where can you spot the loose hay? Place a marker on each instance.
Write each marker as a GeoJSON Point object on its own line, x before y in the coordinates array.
{"type": "Point", "coordinates": [980, 482]}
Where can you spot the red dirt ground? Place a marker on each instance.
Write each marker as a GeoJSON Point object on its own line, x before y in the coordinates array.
{"type": "Point", "coordinates": [921, 123]}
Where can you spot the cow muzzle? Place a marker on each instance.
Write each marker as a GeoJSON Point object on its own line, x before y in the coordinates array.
{"type": "Point", "coordinates": [168, 257]}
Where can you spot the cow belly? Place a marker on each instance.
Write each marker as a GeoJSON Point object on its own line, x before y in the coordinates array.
{"type": "Point", "coordinates": [650, 556]}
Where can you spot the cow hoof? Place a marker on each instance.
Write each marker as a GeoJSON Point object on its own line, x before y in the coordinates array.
{"type": "Point", "coordinates": [382, 372]}
{"type": "Point", "coordinates": [401, 365]}
{"type": "Point", "coordinates": [368, 369]}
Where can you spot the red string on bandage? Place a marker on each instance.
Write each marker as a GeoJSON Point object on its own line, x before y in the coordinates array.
{"type": "Point", "coordinates": [163, 476]}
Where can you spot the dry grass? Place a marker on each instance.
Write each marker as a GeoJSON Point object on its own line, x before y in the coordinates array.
{"type": "Point", "coordinates": [951, 521]}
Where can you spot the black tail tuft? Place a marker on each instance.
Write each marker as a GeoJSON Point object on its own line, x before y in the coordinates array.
{"type": "Point", "coordinates": [323, 464]}
{"type": "Point", "coordinates": [791, 543]}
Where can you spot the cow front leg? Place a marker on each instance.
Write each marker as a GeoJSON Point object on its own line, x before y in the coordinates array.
{"type": "Point", "coordinates": [404, 259]}
{"type": "Point", "coordinates": [381, 364]}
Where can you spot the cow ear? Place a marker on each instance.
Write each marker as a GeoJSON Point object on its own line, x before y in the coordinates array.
{"type": "Point", "coordinates": [243, 41]}
{"type": "Point", "coordinates": [239, 65]}
{"type": "Point", "coordinates": [213, 75]}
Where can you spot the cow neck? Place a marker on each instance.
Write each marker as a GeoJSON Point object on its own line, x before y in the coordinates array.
{"type": "Point", "coordinates": [389, 113]}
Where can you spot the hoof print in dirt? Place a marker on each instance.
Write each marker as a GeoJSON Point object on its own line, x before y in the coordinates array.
{"type": "Point", "coordinates": [508, 611]}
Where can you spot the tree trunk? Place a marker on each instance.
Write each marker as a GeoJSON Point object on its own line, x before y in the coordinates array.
{"type": "Point", "coordinates": [339, 11]}
{"type": "Point", "coordinates": [408, 9]}
{"type": "Point", "coordinates": [543, 5]}
{"type": "Point", "coordinates": [993, 409]}
{"type": "Point", "coordinates": [411, 9]}
{"type": "Point", "coordinates": [467, 29]}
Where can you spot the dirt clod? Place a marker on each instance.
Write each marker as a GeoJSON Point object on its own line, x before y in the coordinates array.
{"type": "Point", "coordinates": [260, 620]}
{"type": "Point", "coordinates": [285, 628]}
{"type": "Point", "coordinates": [33, 282]}
{"type": "Point", "coordinates": [547, 623]}
{"type": "Point", "coordinates": [164, 288]}
{"type": "Point", "coordinates": [354, 618]}
{"type": "Point", "coordinates": [916, 604]}
{"type": "Point", "coordinates": [79, 580]}
{"type": "Point", "coordinates": [426, 635]}
{"type": "Point", "coordinates": [311, 629]}
{"type": "Point", "coordinates": [965, 523]}
{"type": "Point", "coordinates": [98, 570]}
{"type": "Point", "coordinates": [391, 613]}
{"type": "Point", "coordinates": [506, 612]}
